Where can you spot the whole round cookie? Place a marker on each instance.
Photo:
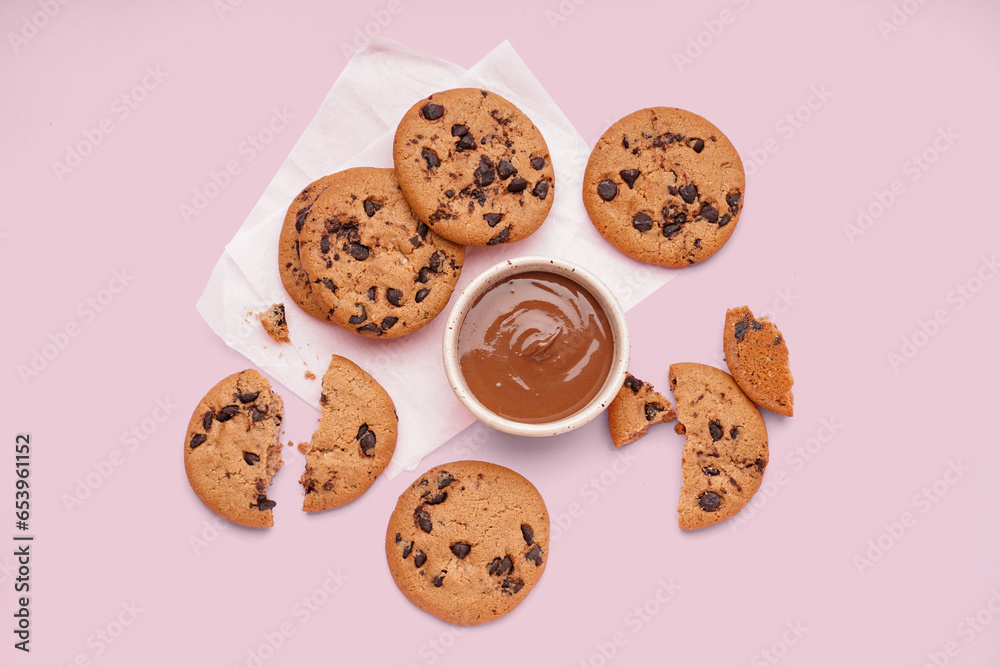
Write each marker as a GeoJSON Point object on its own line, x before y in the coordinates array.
{"type": "Point", "coordinates": [757, 357]}
{"type": "Point", "coordinates": [355, 439]}
{"type": "Point", "coordinates": [474, 167]}
{"type": "Point", "coordinates": [664, 186]}
{"type": "Point", "coordinates": [232, 448]}
{"type": "Point", "coordinates": [725, 444]}
{"type": "Point", "coordinates": [468, 541]}
{"type": "Point", "coordinates": [378, 270]}
{"type": "Point", "coordinates": [293, 276]}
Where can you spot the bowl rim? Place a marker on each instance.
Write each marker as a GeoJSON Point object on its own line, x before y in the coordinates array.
{"type": "Point", "coordinates": [514, 266]}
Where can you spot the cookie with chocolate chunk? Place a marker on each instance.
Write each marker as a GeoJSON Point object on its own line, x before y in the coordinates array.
{"type": "Point", "coordinates": [636, 407]}
{"type": "Point", "coordinates": [664, 186]}
{"type": "Point", "coordinates": [757, 357]}
{"type": "Point", "coordinates": [474, 167]}
{"type": "Point", "coordinates": [725, 444]}
{"type": "Point", "coordinates": [378, 271]}
{"type": "Point", "coordinates": [274, 323]}
{"type": "Point", "coordinates": [232, 448]}
{"type": "Point", "coordinates": [468, 541]}
{"type": "Point", "coordinates": [355, 439]}
{"type": "Point", "coordinates": [293, 276]}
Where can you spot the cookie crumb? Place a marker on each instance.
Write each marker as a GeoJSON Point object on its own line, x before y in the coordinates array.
{"type": "Point", "coordinates": [310, 375]}
{"type": "Point", "coordinates": [273, 321]}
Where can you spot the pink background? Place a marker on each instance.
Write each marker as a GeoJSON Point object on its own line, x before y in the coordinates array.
{"type": "Point", "coordinates": [847, 473]}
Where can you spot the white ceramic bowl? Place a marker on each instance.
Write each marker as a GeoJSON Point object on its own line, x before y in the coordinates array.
{"type": "Point", "coordinates": [605, 298]}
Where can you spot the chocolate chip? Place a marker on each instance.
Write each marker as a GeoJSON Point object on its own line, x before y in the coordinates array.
{"type": "Point", "coordinates": [300, 219]}
{"type": "Point", "coordinates": [624, 142]}
{"type": "Point", "coordinates": [198, 439]}
{"type": "Point", "coordinates": [710, 501]}
{"type": "Point", "coordinates": [461, 549]}
{"type": "Point", "coordinates": [724, 220]}
{"type": "Point", "coordinates": [653, 409]}
{"type": "Point", "coordinates": [444, 479]}
{"type": "Point", "coordinates": [227, 413]}
{"type": "Point", "coordinates": [755, 325]}
{"type": "Point", "coordinates": [505, 169]}
{"type": "Point", "coordinates": [493, 566]}
{"type": "Point", "coordinates": [607, 190]}
{"type": "Point", "coordinates": [394, 296]}
{"type": "Point", "coordinates": [399, 538]}
{"type": "Point", "coordinates": [537, 163]}
{"type": "Point", "coordinates": [697, 145]}
{"type": "Point", "coordinates": [436, 262]}
{"type": "Point", "coordinates": [512, 586]}
{"type": "Point", "coordinates": [370, 328]}
{"type": "Point", "coordinates": [248, 397]}
{"type": "Point", "coordinates": [708, 212]}
{"type": "Point", "coordinates": [458, 130]}
{"type": "Point", "coordinates": [527, 533]}
{"type": "Point", "coordinates": [358, 319]}
{"type": "Point", "coordinates": [708, 470]}
{"type": "Point", "coordinates": [736, 484]}
{"type": "Point", "coordinates": [251, 458]}
{"type": "Point", "coordinates": [372, 293]}
{"type": "Point", "coordinates": [759, 464]}
{"type": "Point", "coordinates": [629, 176]}
{"type": "Point", "coordinates": [541, 190]}
{"type": "Point", "coordinates": [256, 415]}
{"type": "Point", "coordinates": [423, 519]}
{"type": "Point", "coordinates": [777, 340]}
{"type": "Point", "coordinates": [206, 420]}
{"type": "Point", "coordinates": [438, 580]}
{"type": "Point", "coordinates": [358, 251]}
{"type": "Point", "coordinates": [733, 199]}
{"type": "Point", "coordinates": [431, 158]}
{"type": "Point", "coordinates": [642, 222]}
{"type": "Point", "coordinates": [535, 555]}
{"type": "Point", "coordinates": [422, 230]}
{"type": "Point", "coordinates": [671, 230]}
{"type": "Point", "coordinates": [688, 192]}
{"type": "Point", "coordinates": [261, 485]}
{"type": "Point", "coordinates": [484, 174]}
{"type": "Point", "coordinates": [492, 218]}
{"type": "Point", "coordinates": [421, 295]}
{"type": "Point", "coordinates": [263, 504]}
{"type": "Point", "coordinates": [407, 549]}
{"type": "Point", "coordinates": [506, 565]}
{"type": "Point", "coordinates": [500, 238]}
{"type": "Point", "coordinates": [715, 428]}
{"type": "Point", "coordinates": [323, 399]}
{"type": "Point", "coordinates": [517, 185]}
{"type": "Point", "coordinates": [734, 432]}
{"type": "Point", "coordinates": [436, 499]}
{"type": "Point", "coordinates": [697, 244]}
{"type": "Point", "coordinates": [419, 558]}
{"type": "Point", "coordinates": [326, 282]}
{"type": "Point", "coordinates": [432, 111]}
{"type": "Point", "coordinates": [388, 322]}
{"type": "Point", "coordinates": [424, 275]}
{"type": "Point", "coordinates": [740, 330]}
{"type": "Point", "coordinates": [466, 143]}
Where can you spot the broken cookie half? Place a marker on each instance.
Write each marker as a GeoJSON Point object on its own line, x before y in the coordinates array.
{"type": "Point", "coordinates": [725, 444]}
{"type": "Point", "coordinates": [636, 407]}
{"type": "Point", "coordinates": [355, 439]}
{"type": "Point", "coordinates": [757, 357]}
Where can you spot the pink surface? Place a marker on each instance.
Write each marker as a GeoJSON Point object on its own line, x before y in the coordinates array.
{"type": "Point", "coordinates": [887, 108]}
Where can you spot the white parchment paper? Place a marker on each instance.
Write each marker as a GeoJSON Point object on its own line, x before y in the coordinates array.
{"type": "Point", "coordinates": [354, 127]}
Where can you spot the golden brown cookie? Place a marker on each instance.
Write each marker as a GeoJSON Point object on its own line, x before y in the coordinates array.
{"type": "Point", "coordinates": [725, 444]}
{"type": "Point", "coordinates": [758, 359]}
{"type": "Point", "coordinates": [474, 167]}
{"type": "Point", "coordinates": [355, 439]}
{"type": "Point", "coordinates": [468, 541]}
{"type": "Point", "coordinates": [636, 407]}
{"type": "Point", "coordinates": [664, 186]}
{"type": "Point", "coordinates": [232, 448]}
{"type": "Point", "coordinates": [293, 276]}
{"type": "Point", "coordinates": [274, 323]}
{"type": "Point", "coordinates": [378, 270]}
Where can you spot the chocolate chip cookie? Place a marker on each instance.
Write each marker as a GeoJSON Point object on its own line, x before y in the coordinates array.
{"type": "Point", "coordinates": [725, 445]}
{"type": "Point", "coordinates": [474, 167]}
{"type": "Point", "coordinates": [378, 271]}
{"type": "Point", "coordinates": [232, 448]}
{"type": "Point", "coordinates": [664, 186]}
{"type": "Point", "coordinates": [468, 541]}
{"type": "Point", "coordinates": [636, 407]}
{"type": "Point", "coordinates": [274, 323]}
{"type": "Point", "coordinates": [758, 359]}
{"type": "Point", "coordinates": [355, 439]}
{"type": "Point", "coordinates": [293, 276]}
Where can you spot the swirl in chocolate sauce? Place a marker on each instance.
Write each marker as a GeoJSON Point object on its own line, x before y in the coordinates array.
{"type": "Point", "coordinates": [535, 347]}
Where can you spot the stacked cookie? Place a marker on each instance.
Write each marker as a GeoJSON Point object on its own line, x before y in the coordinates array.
{"type": "Point", "coordinates": [379, 251]}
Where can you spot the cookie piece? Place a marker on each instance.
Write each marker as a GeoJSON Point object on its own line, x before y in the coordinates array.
{"type": "Point", "coordinates": [725, 444]}
{"type": "Point", "coordinates": [355, 439]}
{"type": "Point", "coordinates": [664, 186]}
{"type": "Point", "coordinates": [468, 541]}
{"type": "Point", "coordinates": [232, 448]}
{"type": "Point", "coordinates": [635, 409]}
{"type": "Point", "coordinates": [758, 359]}
{"type": "Point", "coordinates": [474, 167]}
{"type": "Point", "coordinates": [293, 276]}
{"type": "Point", "coordinates": [378, 270]}
{"type": "Point", "coordinates": [273, 321]}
